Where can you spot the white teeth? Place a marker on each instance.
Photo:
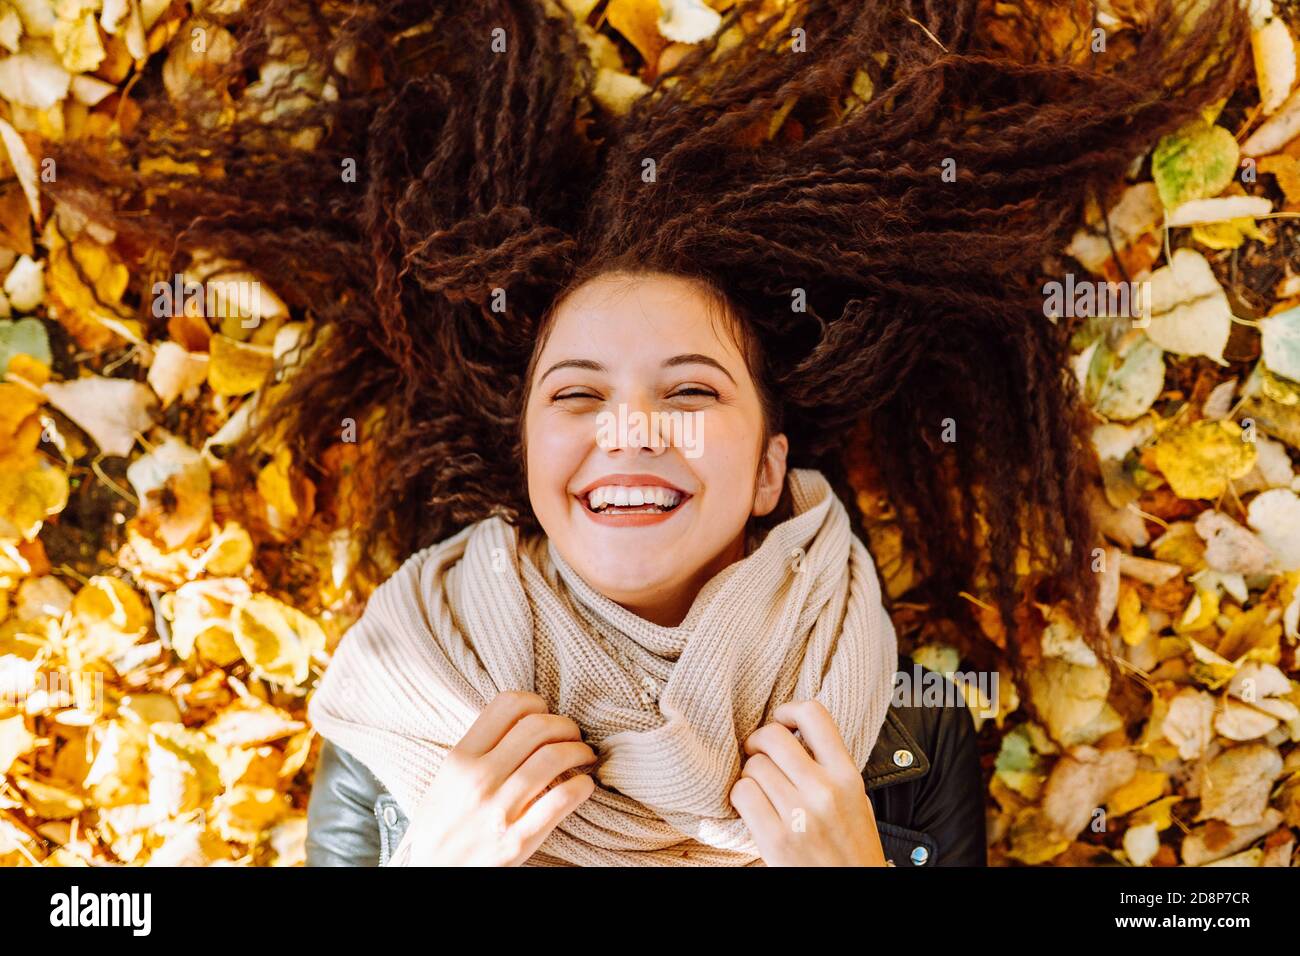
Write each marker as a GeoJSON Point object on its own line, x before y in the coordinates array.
{"type": "Point", "coordinates": [632, 496]}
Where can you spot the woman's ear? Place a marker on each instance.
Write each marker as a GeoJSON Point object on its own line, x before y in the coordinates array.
{"type": "Point", "coordinates": [771, 475]}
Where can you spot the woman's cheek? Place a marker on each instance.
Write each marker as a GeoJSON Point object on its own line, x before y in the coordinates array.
{"type": "Point", "coordinates": [556, 450]}
{"type": "Point", "coordinates": [728, 465]}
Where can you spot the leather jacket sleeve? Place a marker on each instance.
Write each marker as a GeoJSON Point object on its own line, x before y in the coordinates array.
{"type": "Point", "coordinates": [949, 800]}
{"type": "Point", "coordinates": [342, 828]}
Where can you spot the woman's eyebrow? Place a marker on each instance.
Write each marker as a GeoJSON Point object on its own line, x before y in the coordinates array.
{"type": "Point", "coordinates": [689, 358]}
{"type": "Point", "coordinates": [697, 358]}
{"type": "Point", "coordinates": [589, 364]}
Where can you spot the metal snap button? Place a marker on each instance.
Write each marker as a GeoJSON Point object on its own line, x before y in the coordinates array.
{"type": "Point", "coordinates": [390, 815]}
{"type": "Point", "coordinates": [919, 855]}
{"type": "Point", "coordinates": [903, 758]}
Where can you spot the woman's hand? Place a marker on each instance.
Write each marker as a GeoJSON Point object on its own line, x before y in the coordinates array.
{"type": "Point", "coordinates": [492, 803]}
{"type": "Point", "coordinates": [805, 810]}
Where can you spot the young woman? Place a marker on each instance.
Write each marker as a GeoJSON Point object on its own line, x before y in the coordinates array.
{"type": "Point", "coordinates": [604, 647]}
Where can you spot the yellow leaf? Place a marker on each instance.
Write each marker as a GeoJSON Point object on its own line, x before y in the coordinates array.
{"type": "Point", "coordinates": [249, 722]}
{"type": "Point", "coordinates": [1181, 545]}
{"type": "Point", "coordinates": [243, 812]}
{"type": "Point", "coordinates": [1160, 813]}
{"type": "Point", "coordinates": [174, 488]}
{"type": "Point", "coordinates": [1286, 169]}
{"type": "Point", "coordinates": [15, 740]}
{"type": "Point", "coordinates": [51, 802]}
{"type": "Point", "coordinates": [24, 167]}
{"type": "Point", "coordinates": [1133, 623]}
{"type": "Point", "coordinates": [218, 646]}
{"type": "Point", "coordinates": [20, 426]}
{"type": "Point", "coordinates": [76, 40]}
{"type": "Point", "coordinates": [1200, 612]}
{"type": "Point", "coordinates": [109, 616]}
{"type": "Point", "coordinates": [274, 485]}
{"type": "Point", "coordinates": [1145, 786]}
{"type": "Point", "coordinates": [86, 282]}
{"type": "Point", "coordinates": [200, 611]}
{"type": "Point", "coordinates": [117, 777]}
{"type": "Point", "coordinates": [897, 567]}
{"type": "Point", "coordinates": [616, 91]}
{"type": "Point", "coordinates": [1251, 635]}
{"type": "Point", "coordinates": [1033, 838]}
{"type": "Point", "coordinates": [1209, 668]}
{"type": "Point", "coordinates": [28, 368]}
{"type": "Point", "coordinates": [1199, 460]}
{"type": "Point", "coordinates": [108, 276]}
{"type": "Point", "coordinates": [278, 641]}
{"type": "Point", "coordinates": [237, 368]}
{"type": "Point", "coordinates": [176, 371]}
{"type": "Point", "coordinates": [229, 551]}
{"type": "Point", "coordinates": [181, 773]}
{"type": "Point", "coordinates": [1228, 234]}
{"type": "Point", "coordinates": [638, 21]}
{"type": "Point", "coordinates": [1071, 698]}
{"type": "Point", "coordinates": [28, 497]}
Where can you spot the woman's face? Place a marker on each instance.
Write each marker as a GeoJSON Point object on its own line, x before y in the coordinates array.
{"type": "Point", "coordinates": [640, 395]}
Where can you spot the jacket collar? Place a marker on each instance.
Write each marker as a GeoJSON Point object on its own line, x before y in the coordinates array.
{"type": "Point", "coordinates": [888, 762]}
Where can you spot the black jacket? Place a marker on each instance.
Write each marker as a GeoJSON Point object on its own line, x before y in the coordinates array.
{"type": "Point", "coordinates": [923, 778]}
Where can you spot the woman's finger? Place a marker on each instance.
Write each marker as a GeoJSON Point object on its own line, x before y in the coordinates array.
{"type": "Point", "coordinates": [530, 733]}
{"type": "Point", "coordinates": [540, 771]}
{"type": "Point", "coordinates": [818, 730]}
{"type": "Point", "coordinates": [786, 752]}
{"type": "Point", "coordinates": [502, 713]}
{"type": "Point", "coordinates": [780, 792]}
{"type": "Point", "coordinates": [755, 809]}
{"type": "Point", "coordinates": [546, 812]}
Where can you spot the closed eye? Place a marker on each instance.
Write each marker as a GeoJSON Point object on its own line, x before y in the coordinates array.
{"type": "Point", "coordinates": [560, 398]}
{"type": "Point", "coordinates": [693, 398]}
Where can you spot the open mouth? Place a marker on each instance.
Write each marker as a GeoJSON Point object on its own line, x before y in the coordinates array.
{"type": "Point", "coordinates": [633, 500]}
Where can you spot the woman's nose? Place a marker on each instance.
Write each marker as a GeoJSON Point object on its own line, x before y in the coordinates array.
{"type": "Point", "coordinates": [632, 425]}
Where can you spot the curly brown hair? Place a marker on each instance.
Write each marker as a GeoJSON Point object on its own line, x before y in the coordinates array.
{"type": "Point", "coordinates": [486, 177]}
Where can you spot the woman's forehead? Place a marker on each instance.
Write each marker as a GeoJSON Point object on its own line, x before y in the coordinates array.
{"type": "Point", "coordinates": [647, 305]}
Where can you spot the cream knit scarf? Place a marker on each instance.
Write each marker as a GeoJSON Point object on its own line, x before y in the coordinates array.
{"type": "Point", "coordinates": [665, 708]}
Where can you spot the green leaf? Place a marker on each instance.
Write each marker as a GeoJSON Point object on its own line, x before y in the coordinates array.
{"type": "Point", "coordinates": [1017, 753]}
{"type": "Point", "coordinates": [1130, 387]}
{"type": "Point", "coordinates": [24, 337]}
{"type": "Point", "coordinates": [1195, 162]}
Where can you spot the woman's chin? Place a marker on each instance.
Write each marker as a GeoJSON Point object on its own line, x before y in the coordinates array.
{"type": "Point", "coordinates": [639, 566]}
{"type": "Point", "coordinates": [631, 580]}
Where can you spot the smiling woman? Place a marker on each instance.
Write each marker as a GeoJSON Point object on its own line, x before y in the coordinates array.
{"type": "Point", "coordinates": [650, 343]}
{"type": "Point", "coordinates": [827, 216]}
